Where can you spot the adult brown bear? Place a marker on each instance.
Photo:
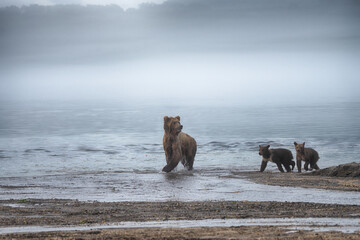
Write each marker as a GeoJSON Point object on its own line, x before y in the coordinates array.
{"type": "Point", "coordinates": [178, 146]}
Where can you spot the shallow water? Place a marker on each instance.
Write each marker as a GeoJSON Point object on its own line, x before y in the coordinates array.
{"type": "Point", "coordinates": [198, 185]}
{"type": "Point", "coordinates": [348, 225]}
{"type": "Point", "coordinates": [113, 152]}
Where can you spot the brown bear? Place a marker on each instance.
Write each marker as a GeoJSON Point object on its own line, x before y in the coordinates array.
{"type": "Point", "coordinates": [178, 146]}
{"type": "Point", "coordinates": [278, 156]}
{"type": "Point", "coordinates": [308, 155]}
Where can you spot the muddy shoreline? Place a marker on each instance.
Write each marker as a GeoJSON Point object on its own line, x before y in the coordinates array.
{"type": "Point", "coordinates": [253, 232]}
{"type": "Point", "coordinates": [64, 212]}
{"type": "Point", "coordinates": [57, 212]}
{"type": "Point", "coordinates": [70, 212]}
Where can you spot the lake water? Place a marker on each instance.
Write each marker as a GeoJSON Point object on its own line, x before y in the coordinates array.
{"type": "Point", "coordinates": [113, 151]}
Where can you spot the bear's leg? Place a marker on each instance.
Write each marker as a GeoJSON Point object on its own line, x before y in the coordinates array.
{"type": "Point", "coordinates": [263, 166]}
{"type": "Point", "coordinates": [189, 162]}
{"type": "Point", "coordinates": [311, 167]}
{"type": "Point", "coordinates": [292, 163]}
{"type": "Point", "coordinates": [280, 167]}
{"type": "Point", "coordinates": [311, 163]}
{"type": "Point", "coordinates": [287, 167]}
{"type": "Point", "coordinates": [183, 161]}
{"type": "Point", "coordinates": [316, 166]}
{"type": "Point", "coordinates": [170, 166]}
{"type": "Point", "coordinates": [298, 163]}
{"type": "Point", "coordinates": [306, 166]}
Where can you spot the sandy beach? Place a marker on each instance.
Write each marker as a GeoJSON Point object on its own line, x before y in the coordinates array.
{"type": "Point", "coordinates": [60, 213]}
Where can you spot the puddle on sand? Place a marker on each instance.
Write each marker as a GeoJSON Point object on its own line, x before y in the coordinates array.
{"type": "Point", "coordinates": [348, 225]}
{"type": "Point", "coordinates": [13, 205]}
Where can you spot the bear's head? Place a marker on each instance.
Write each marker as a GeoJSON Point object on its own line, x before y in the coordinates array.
{"type": "Point", "coordinates": [264, 151]}
{"type": "Point", "coordinates": [300, 148]}
{"type": "Point", "coordinates": [172, 125]}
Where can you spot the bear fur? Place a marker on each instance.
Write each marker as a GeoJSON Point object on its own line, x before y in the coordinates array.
{"type": "Point", "coordinates": [280, 156]}
{"type": "Point", "coordinates": [178, 146]}
{"type": "Point", "coordinates": [308, 155]}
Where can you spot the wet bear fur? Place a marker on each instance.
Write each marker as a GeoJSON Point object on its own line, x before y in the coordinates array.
{"type": "Point", "coordinates": [280, 156]}
{"type": "Point", "coordinates": [308, 155]}
{"type": "Point", "coordinates": [178, 146]}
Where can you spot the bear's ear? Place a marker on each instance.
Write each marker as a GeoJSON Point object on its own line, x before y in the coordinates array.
{"type": "Point", "coordinates": [295, 143]}
{"type": "Point", "coordinates": [259, 146]}
{"type": "Point", "coordinates": [267, 146]}
{"type": "Point", "coordinates": [166, 118]}
{"type": "Point", "coordinates": [178, 117]}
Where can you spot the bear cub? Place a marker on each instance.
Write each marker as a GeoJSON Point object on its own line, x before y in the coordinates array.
{"type": "Point", "coordinates": [178, 146]}
{"type": "Point", "coordinates": [280, 156]}
{"type": "Point", "coordinates": [308, 155]}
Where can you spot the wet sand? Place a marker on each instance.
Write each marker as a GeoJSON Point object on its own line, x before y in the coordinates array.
{"type": "Point", "coordinates": [253, 232]}
{"type": "Point", "coordinates": [304, 180]}
{"type": "Point", "coordinates": [57, 212]}
{"type": "Point", "coordinates": [70, 212]}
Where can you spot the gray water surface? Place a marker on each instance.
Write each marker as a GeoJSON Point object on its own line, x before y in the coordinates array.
{"type": "Point", "coordinates": [110, 151]}
{"type": "Point", "coordinates": [198, 185]}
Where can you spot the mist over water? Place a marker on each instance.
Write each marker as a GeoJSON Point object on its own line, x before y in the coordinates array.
{"type": "Point", "coordinates": [83, 92]}
{"type": "Point", "coordinates": [208, 52]}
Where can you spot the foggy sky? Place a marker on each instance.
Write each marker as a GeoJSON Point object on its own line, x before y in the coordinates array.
{"type": "Point", "coordinates": [233, 51]}
{"type": "Point", "coordinates": [125, 4]}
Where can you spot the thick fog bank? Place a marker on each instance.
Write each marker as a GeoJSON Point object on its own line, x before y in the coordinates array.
{"type": "Point", "coordinates": [206, 51]}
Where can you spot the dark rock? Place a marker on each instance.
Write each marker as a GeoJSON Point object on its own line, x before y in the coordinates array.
{"type": "Point", "coordinates": [343, 170]}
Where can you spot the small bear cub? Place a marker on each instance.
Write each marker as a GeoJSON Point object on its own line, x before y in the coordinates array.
{"type": "Point", "coordinates": [308, 155]}
{"type": "Point", "coordinates": [280, 156]}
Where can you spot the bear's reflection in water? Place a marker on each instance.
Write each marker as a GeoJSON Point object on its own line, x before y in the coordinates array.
{"type": "Point", "coordinates": [181, 175]}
